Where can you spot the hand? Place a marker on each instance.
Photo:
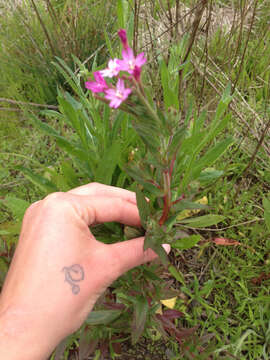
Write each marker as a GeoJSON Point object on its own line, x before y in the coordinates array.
{"type": "Point", "coordinates": [59, 269]}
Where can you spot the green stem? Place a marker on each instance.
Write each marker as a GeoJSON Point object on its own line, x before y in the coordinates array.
{"type": "Point", "coordinates": [149, 108]}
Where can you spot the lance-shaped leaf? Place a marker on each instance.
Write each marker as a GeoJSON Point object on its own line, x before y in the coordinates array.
{"type": "Point", "coordinates": [152, 242]}
{"type": "Point", "coordinates": [44, 184]}
{"type": "Point", "coordinates": [139, 318]}
{"type": "Point", "coordinates": [154, 238]}
{"type": "Point", "coordinates": [136, 173]}
{"type": "Point", "coordinates": [188, 205]}
{"type": "Point", "coordinates": [203, 221]}
{"type": "Point", "coordinates": [186, 243]}
{"type": "Point", "coordinates": [177, 274]}
{"type": "Point", "coordinates": [16, 206]}
{"type": "Point", "coordinates": [176, 140]}
{"type": "Point", "coordinates": [143, 206]}
{"type": "Point", "coordinates": [108, 164]}
{"type": "Point", "coordinates": [102, 317]}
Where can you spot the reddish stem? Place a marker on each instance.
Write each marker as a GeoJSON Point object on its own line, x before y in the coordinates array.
{"type": "Point", "coordinates": [167, 197]}
{"type": "Point", "coordinates": [165, 211]}
{"type": "Point", "coordinates": [179, 199]}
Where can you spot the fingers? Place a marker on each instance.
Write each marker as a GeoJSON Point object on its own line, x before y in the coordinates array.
{"type": "Point", "coordinates": [130, 254]}
{"type": "Point", "coordinates": [95, 203]}
{"type": "Point", "coordinates": [100, 209]}
{"type": "Point", "coordinates": [96, 189]}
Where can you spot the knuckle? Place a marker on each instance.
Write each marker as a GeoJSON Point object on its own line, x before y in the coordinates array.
{"type": "Point", "coordinates": [95, 184]}
{"type": "Point", "coordinates": [55, 201]}
{"type": "Point", "coordinates": [29, 210]}
{"type": "Point", "coordinates": [54, 196]}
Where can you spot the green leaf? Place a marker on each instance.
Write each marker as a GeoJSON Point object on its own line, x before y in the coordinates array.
{"type": "Point", "coordinates": [73, 149]}
{"type": "Point", "coordinates": [120, 14]}
{"type": "Point", "coordinates": [169, 94]}
{"type": "Point", "coordinates": [211, 156]}
{"type": "Point", "coordinates": [139, 318]}
{"type": "Point", "coordinates": [203, 221]}
{"type": "Point", "coordinates": [3, 270]}
{"type": "Point", "coordinates": [43, 126]}
{"type": "Point", "coordinates": [209, 175]}
{"type": "Point", "coordinates": [199, 121]}
{"type": "Point", "coordinates": [150, 241]}
{"type": "Point", "coordinates": [188, 205]}
{"type": "Point", "coordinates": [148, 273]}
{"type": "Point", "coordinates": [143, 206]}
{"type": "Point", "coordinates": [186, 243]}
{"type": "Point", "coordinates": [109, 44]}
{"type": "Point", "coordinates": [102, 317]}
{"type": "Point", "coordinates": [136, 173]}
{"type": "Point", "coordinates": [16, 206]}
{"type": "Point", "coordinates": [38, 180]}
{"type": "Point", "coordinates": [266, 205]}
{"type": "Point", "coordinates": [108, 164]}
{"type": "Point", "coordinates": [176, 140]}
{"type": "Point", "coordinates": [177, 274]}
{"type": "Point", "coordinates": [70, 174]}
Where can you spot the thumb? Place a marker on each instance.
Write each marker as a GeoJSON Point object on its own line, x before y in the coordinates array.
{"type": "Point", "coordinates": [130, 254]}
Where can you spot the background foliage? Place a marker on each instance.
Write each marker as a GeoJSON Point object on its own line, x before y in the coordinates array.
{"type": "Point", "coordinates": [197, 47]}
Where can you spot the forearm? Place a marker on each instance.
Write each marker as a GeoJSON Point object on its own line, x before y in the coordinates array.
{"type": "Point", "coordinates": [19, 340]}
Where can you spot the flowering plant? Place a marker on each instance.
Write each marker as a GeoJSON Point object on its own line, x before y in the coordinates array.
{"type": "Point", "coordinates": [172, 158]}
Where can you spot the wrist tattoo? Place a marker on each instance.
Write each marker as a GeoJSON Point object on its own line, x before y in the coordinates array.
{"type": "Point", "coordinates": [73, 275]}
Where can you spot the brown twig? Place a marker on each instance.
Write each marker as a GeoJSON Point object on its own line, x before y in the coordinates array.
{"type": "Point", "coordinates": [246, 44]}
{"type": "Point", "coordinates": [10, 101]}
{"type": "Point", "coordinates": [43, 27]}
{"type": "Point", "coordinates": [195, 26]}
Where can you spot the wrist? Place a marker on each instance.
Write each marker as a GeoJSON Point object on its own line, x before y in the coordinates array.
{"type": "Point", "coordinates": [19, 339]}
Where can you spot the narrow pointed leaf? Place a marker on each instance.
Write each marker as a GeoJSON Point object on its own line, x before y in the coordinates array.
{"type": "Point", "coordinates": [102, 317]}
{"type": "Point", "coordinates": [150, 242]}
{"type": "Point", "coordinates": [108, 164]}
{"type": "Point", "coordinates": [143, 206]}
{"type": "Point", "coordinates": [44, 184]}
{"type": "Point", "coordinates": [139, 318]}
{"type": "Point", "coordinates": [186, 243]}
{"type": "Point", "coordinates": [203, 221]}
{"type": "Point", "coordinates": [16, 206]}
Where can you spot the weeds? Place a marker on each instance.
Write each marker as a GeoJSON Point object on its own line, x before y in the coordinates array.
{"type": "Point", "coordinates": [33, 33]}
{"type": "Point", "coordinates": [222, 291]}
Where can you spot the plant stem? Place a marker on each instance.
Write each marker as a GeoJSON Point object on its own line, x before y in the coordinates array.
{"type": "Point", "coordinates": [166, 198]}
{"type": "Point", "coordinates": [150, 110]}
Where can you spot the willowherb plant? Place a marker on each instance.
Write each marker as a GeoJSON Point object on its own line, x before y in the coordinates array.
{"type": "Point", "coordinates": [173, 149]}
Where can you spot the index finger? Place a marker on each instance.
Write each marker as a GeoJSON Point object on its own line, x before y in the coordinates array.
{"type": "Point", "coordinates": [97, 189]}
{"type": "Point", "coordinates": [100, 209]}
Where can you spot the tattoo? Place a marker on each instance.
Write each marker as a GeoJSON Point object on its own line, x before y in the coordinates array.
{"type": "Point", "coordinates": [73, 275]}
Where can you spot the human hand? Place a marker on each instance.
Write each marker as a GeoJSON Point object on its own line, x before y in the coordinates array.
{"type": "Point", "coordinates": [59, 269]}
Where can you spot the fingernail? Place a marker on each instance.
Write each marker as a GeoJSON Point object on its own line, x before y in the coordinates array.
{"type": "Point", "coordinates": [166, 247]}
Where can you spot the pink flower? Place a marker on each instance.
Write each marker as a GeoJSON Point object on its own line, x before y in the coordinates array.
{"type": "Point", "coordinates": [123, 37]}
{"type": "Point", "coordinates": [129, 61]}
{"type": "Point", "coordinates": [112, 69]}
{"type": "Point", "coordinates": [97, 86]}
{"type": "Point", "coordinates": [117, 95]}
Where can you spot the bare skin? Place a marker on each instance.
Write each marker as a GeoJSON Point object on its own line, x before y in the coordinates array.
{"type": "Point", "coordinates": [59, 269]}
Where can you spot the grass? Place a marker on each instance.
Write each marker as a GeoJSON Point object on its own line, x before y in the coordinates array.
{"type": "Point", "coordinates": [222, 288]}
{"type": "Point", "coordinates": [33, 33]}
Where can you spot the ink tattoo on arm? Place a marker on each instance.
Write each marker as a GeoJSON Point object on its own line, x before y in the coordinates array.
{"type": "Point", "coordinates": [73, 275]}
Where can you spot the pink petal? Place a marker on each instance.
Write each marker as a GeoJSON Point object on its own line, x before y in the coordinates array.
{"type": "Point", "coordinates": [123, 37]}
{"type": "Point", "coordinates": [128, 54]}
